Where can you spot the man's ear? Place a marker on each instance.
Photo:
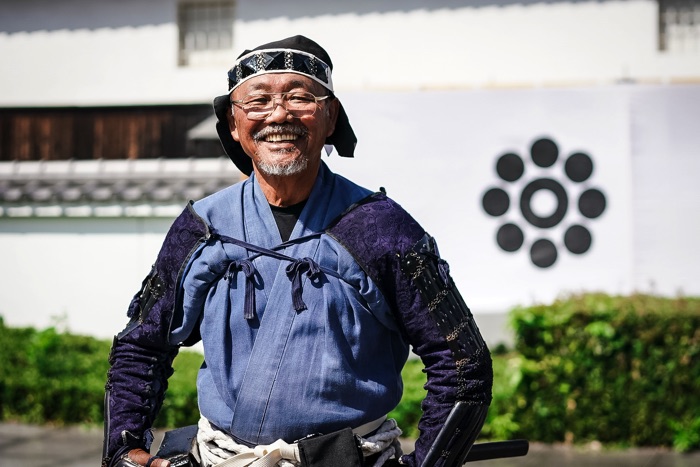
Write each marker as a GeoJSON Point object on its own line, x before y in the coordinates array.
{"type": "Point", "coordinates": [232, 125]}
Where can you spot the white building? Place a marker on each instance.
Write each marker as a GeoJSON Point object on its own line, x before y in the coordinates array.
{"type": "Point", "coordinates": [438, 93]}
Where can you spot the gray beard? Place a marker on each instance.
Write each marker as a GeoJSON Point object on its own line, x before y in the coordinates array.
{"type": "Point", "coordinates": [286, 169]}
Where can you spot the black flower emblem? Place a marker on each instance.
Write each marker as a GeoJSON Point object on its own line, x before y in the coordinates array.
{"type": "Point", "coordinates": [551, 176]}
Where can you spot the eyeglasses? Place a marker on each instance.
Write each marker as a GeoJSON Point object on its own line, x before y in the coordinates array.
{"type": "Point", "coordinates": [297, 104]}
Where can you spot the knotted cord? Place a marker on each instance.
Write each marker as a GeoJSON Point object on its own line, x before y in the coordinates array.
{"type": "Point", "coordinates": [295, 270]}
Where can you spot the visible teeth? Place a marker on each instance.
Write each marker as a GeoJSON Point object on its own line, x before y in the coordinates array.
{"type": "Point", "coordinates": [282, 137]}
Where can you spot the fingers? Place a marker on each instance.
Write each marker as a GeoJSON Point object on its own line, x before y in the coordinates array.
{"type": "Point", "coordinates": [141, 457]}
{"type": "Point", "coordinates": [160, 463]}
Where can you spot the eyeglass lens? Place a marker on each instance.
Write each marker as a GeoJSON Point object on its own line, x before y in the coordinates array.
{"type": "Point", "coordinates": [260, 106]}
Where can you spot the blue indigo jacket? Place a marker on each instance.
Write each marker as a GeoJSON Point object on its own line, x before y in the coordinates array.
{"type": "Point", "coordinates": [307, 336]}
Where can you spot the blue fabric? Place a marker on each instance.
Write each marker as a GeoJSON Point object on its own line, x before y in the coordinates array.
{"type": "Point", "coordinates": [279, 372]}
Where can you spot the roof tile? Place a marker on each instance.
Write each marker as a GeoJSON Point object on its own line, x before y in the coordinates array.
{"type": "Point", "coordinates": [150, 187]}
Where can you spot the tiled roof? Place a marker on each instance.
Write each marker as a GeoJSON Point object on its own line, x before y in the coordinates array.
{"type": "Point", "coordinates": [109, 188]}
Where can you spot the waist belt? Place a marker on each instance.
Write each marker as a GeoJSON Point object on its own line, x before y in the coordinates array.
{"type": "Point", "coordinates": [369, 427]}
{"type": "Point", "coordinates": [218, 449]}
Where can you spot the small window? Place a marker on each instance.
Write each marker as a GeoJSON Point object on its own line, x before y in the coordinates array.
{"type": "Point", "coordinates": [206, 32]}
{"type": "Point", "coordinates": [679, 25]}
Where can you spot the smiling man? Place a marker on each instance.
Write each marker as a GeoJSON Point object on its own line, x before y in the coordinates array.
{"type": "Point", "coordinates": [282, 120]}
{"type": "Point", "coordinates": [307, 292]}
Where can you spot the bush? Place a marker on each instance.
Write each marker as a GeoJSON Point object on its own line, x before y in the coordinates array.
{"type": "Point", "coordinates": [622, 370]}
{"type": "Point", "coordinates": [50, 377]}
{"type": "Point", "coordinates": [409, 411]}
{"type": "Point", "coordinates": [180, 405]}
{"type": "Point", "coordinates": [499, 422]}
{"type": "Point", "coordinates": [59, 378]}
{"type": "Point", "coordinates": [14, 371]}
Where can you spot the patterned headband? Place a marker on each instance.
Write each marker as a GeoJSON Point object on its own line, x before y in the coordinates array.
{"type": "Point", "coordinates": [279, 61]}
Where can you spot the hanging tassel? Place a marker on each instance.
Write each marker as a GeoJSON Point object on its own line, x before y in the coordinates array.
{"type": "Point", "coordinates": [294, 273]}
{"type": "Point", "coordinates": [249, 271]}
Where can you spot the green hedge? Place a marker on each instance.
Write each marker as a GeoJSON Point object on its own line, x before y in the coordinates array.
{"type": "Point", "coordinates": [59, 378]}
{"type": "Point", "coordinates": [49, 377]}
{"type": "Point", "coordinates": [620, 370]}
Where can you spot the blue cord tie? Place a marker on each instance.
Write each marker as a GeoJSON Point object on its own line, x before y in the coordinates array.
{"type": "Point", "coordinates": [248, 269]}
{"type": "Point", "coordinates": [294, 272]}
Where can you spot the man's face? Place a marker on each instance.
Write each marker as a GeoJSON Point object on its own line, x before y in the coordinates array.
{"type": "Point", "coordinates": [282, 144]}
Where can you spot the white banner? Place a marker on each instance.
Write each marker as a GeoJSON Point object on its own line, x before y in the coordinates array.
{"type": "Point", "coordinates": [562, 197]}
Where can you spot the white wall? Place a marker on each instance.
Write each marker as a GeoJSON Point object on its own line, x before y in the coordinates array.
{"type": "Point", "coordinates": [81, 52]}
{"type": "Point", "coordinates": [644, 144]}
{"type": "Point", "coordinates": [666, 167]}
{"type": "Point", "coordinates": [437, 164]}
{"type": "Point", "coordinates": [75, 273]}
{"type": "Point", "coordinates": [425, 88]}
{"type": "Point", "coordinates": [497, 43]}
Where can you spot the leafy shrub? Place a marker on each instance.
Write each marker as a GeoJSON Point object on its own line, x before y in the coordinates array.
{"type": "Point", "coordinates": [15, 370]}
{"type": "Point", "coordinates": [622, 370]}
{"type": "Point", "coordinates": [409, 411]}
{"type": "Point", "coordinates": [500, 421]}
{"type": "Point", "coordinates": [50, 377]}
{"type": "Point", "coordinates": [180, 405]}
{"type": "Point", "coordinates": [499, 424]}
{"type": "Point", "coordinates": [59, 378]}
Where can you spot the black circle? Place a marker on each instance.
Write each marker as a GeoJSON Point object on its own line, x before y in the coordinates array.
{"type": "Point", "coordinates": [543, 253]}
{"type": "Point", "coordinates": [562, 202]}
{"type": "Point", "coordinates": [578, 167]}
{"type": "Point", "coordinates": [496, 202]}
{"type": "Point", "coordinates": [591, 203]}
{"type": "Point", "coordinates": [577, 239]}
{"type": "Point", "coordinates": [510, 167]}
{"type": "Point", "coordinates": [509, 237]}
{"type": "Point", "coordinates": [544, 152]}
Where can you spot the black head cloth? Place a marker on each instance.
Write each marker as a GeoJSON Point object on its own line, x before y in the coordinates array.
{"type": "Point", "coordinates": [296, 54]}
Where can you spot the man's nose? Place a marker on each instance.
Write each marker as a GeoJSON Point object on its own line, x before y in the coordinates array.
{"type": "Point", "coordinates": [279, 111]}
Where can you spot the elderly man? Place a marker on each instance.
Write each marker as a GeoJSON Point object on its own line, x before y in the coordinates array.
{"type": "Point", "coordinates": [306, 291]}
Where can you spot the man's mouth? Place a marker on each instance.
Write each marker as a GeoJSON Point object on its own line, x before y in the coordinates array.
{"type": "Point", "coordinates": [276, 138]}
{"type": "Point", "coordinates": [280, 133]}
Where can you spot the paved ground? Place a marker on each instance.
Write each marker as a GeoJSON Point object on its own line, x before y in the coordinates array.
{"type": "Point", "coordinates": [31, 446]}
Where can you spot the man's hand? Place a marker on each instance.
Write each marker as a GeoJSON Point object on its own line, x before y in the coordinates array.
{"type": "Point", "coordinates": [141, 457]}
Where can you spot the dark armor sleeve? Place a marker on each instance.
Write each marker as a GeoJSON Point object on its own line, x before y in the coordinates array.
{"type": "Point", "coordinates": [403, 261]}
{"type": "Point", "coordinates": [141, 356]}
{"type": "Point", "coordinates": [430, 275]}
